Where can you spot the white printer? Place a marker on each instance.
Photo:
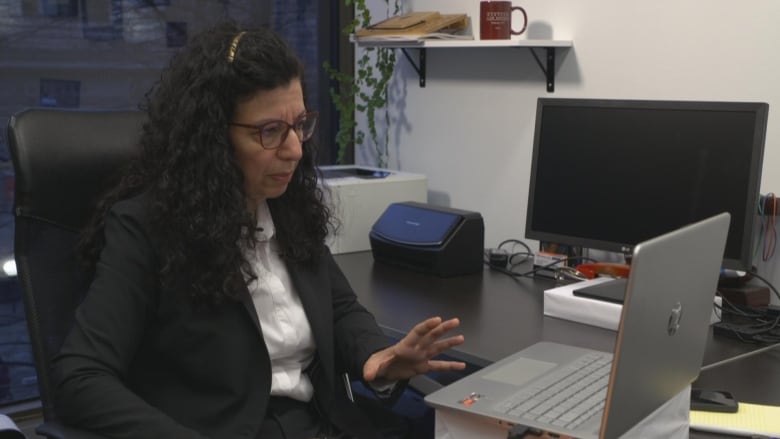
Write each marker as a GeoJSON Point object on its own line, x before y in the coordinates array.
{"type": "Point", "coordinates": [360, 194]}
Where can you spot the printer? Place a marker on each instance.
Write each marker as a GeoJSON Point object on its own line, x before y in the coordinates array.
{"type": "Point", "coordinates": [359, 194]}
{"type": "Point", "coordinates": [431, 239]}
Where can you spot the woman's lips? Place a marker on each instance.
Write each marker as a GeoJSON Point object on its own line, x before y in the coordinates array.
{"type": "Point", "coordinates": [282, 177]}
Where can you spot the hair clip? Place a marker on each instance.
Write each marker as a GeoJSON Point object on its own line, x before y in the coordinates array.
{"type": "Point", "coordinates": [234, 46]}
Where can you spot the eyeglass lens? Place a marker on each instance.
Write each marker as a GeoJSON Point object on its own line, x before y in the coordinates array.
{"type": "Point", "coordinates": [275, 133]}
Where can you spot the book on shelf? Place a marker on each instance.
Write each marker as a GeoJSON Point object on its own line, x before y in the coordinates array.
{"type": "Point", "coordinates": [416, 27]}
{"type": "Point", "coordinates": [413, 40]}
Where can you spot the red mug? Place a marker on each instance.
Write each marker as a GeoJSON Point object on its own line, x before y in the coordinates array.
{"type": "Point", "coordinates": [495, 20]}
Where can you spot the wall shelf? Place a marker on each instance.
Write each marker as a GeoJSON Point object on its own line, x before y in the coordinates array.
{"type": "Point", "coordinates": [421, 46]}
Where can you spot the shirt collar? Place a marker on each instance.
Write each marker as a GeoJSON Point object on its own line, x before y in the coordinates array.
{"type": "Point", "coordinates": [265, 224]}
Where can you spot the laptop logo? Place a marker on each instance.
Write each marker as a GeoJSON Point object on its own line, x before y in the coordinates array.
{"type": "Point", "coordinates": [674, 319]}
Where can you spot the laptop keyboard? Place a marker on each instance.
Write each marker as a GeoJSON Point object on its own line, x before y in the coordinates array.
{"type": "Point", "coordinates": [567, 397]}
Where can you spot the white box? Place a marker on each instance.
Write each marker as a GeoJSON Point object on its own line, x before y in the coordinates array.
{"type": "Point", "coordinates": [561, 302]}
{"type": "Point", "coordinates": [359, 196]}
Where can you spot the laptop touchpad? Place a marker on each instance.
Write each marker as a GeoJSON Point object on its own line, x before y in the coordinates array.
{"type": "Point", "coordinates": [520, 371]}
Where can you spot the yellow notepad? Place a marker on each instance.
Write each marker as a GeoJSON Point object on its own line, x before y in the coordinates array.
{"type": "Point", "coordinates": [751, 419]}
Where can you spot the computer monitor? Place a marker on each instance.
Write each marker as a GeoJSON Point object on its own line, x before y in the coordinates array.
{"type": "Point", "coordinates": [608, 174]}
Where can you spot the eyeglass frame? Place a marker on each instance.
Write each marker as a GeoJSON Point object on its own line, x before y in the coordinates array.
{"type": "Point", "coordinates": [290, 126]}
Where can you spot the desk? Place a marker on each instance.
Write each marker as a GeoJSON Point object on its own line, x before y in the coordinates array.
{"type": "Point", "coordinates": [499, 314]}
{"type": "Point", "coordinates": [754, 378]}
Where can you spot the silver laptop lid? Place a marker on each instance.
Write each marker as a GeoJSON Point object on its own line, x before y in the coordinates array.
{"type": "Point", "coordinates": [666, 315]}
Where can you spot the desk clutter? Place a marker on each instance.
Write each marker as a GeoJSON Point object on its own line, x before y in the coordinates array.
{"type": "Point", "coordinates": [430, 239]}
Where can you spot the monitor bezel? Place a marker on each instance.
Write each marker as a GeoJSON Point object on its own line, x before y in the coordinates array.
{"type": "Point", "coordinates": [752, 192]}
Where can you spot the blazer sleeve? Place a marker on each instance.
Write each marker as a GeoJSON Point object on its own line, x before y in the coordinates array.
{"type": "Point", "coordinates": [357, 334]}
{"type": "Point", "coordinates": [93, 362]}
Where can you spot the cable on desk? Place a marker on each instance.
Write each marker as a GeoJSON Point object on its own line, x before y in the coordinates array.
{"type": "Point", "coordinates": [527, 253]}
{"type": "Point", "coordinates": [491, 258]}
{"type": "Point", "coordinates": [769, 284]}
{"type": "Point", "coordinates": [758, 314]}
{"type": "Point", "coordinates": [500, 257]}
{"type": "Point", "coordinates": [511, 272]}
{"type": "Point", "coordinates": [746, 323]}
{"type": "Point", "coordinates": [767, 209]}
{"type": "Point", "coordinates": [729, 307]}
{"type": "Point", "coordinates": [747, 333]}
{"type": "Point", "coordinates": [739, 357]}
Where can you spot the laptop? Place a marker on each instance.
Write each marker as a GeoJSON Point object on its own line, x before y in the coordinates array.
{"type": "Point", "coordinates": [658, 352]}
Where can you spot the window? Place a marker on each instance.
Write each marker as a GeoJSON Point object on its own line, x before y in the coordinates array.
{"type": "Point", "coordinates": [107, 54]}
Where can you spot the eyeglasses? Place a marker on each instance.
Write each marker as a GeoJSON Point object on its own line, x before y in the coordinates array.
{"type": "Point", "coordinates": [273, 133]}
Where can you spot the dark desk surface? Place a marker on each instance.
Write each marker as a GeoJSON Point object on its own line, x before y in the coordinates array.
{"type": "Point", "coordinates": [499, 314]}
{"type": "Point", "coordinates": [752, 378]}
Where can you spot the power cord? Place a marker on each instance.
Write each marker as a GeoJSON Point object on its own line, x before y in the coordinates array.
{"type": "Point", "coordinates": [510, 271]}
{"type": "Point", "coordinates": [767, 234]}
{"type": "Point", "coordinates": [505, 259]}
{"type": "Point", "coordinates": [747, 323]}
{"type": "Point", "coordinates": [768, 284]}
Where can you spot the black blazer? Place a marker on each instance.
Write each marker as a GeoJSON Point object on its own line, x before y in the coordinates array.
{"type": "Point", "coordinates": [142, 363]}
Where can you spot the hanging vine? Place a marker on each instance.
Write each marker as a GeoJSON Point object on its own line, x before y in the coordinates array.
{"type": "Point", "coordinates": [366, 91]}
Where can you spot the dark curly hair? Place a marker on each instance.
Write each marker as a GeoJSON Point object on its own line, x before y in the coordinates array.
{"type": "Point", "coordinates": [187, 168]}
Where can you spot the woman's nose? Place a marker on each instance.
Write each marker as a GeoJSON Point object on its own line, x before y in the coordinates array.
{"type": "Point", "coordinates": [291, 148]}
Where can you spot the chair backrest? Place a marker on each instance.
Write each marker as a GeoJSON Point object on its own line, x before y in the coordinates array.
{"type": "Point", "coordinates": [64, 161]}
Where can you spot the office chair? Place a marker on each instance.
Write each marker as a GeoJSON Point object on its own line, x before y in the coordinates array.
{"type": "Point", "coordinates": [63, 160]}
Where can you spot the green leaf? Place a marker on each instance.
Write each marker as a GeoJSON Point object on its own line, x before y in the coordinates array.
{"type": "Point", "coordinates": [365, 91]}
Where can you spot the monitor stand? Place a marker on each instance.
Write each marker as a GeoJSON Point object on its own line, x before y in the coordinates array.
{"type": "Point", "coordinates": [611, 291]}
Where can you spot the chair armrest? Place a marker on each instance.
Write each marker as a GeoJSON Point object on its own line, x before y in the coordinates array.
{"type": "Point", "coordinates": [56, 430]}
{"type": "Point", "coordinates": [424, 384]}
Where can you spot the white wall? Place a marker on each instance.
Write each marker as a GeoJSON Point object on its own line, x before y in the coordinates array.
{"type": "Point", "coordinates": [470, 130]}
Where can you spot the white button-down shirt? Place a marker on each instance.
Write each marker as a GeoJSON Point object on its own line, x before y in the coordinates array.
{"type": "Point", "coordinates": [286, 329]}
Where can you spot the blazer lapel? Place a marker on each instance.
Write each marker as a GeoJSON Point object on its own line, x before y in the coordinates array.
{"type": "Point", "coordinates": [313, 286]}
{"type": "Point", "coordinates": [313, 289]}
{"type": "Point", "coordinates": [246, 299]}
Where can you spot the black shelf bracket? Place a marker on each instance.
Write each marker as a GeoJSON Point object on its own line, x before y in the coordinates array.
{"type": "Point", "coordinates": [419, 67]}
{"type": "Point", "coordinates": [548, 66]}
{"type": "Point", "coordinates": [549, 70]}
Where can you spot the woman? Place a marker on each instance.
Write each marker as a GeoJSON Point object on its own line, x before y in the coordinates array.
{"type": "Point", "coordinates": [216, 309]}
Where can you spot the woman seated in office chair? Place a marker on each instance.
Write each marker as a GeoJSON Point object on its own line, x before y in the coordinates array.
{"type": "Point", "coordinates": [216, 309]}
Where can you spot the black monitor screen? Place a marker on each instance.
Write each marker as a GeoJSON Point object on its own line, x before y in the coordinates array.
{"type": "Point", "coordinates": [609, 174]}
